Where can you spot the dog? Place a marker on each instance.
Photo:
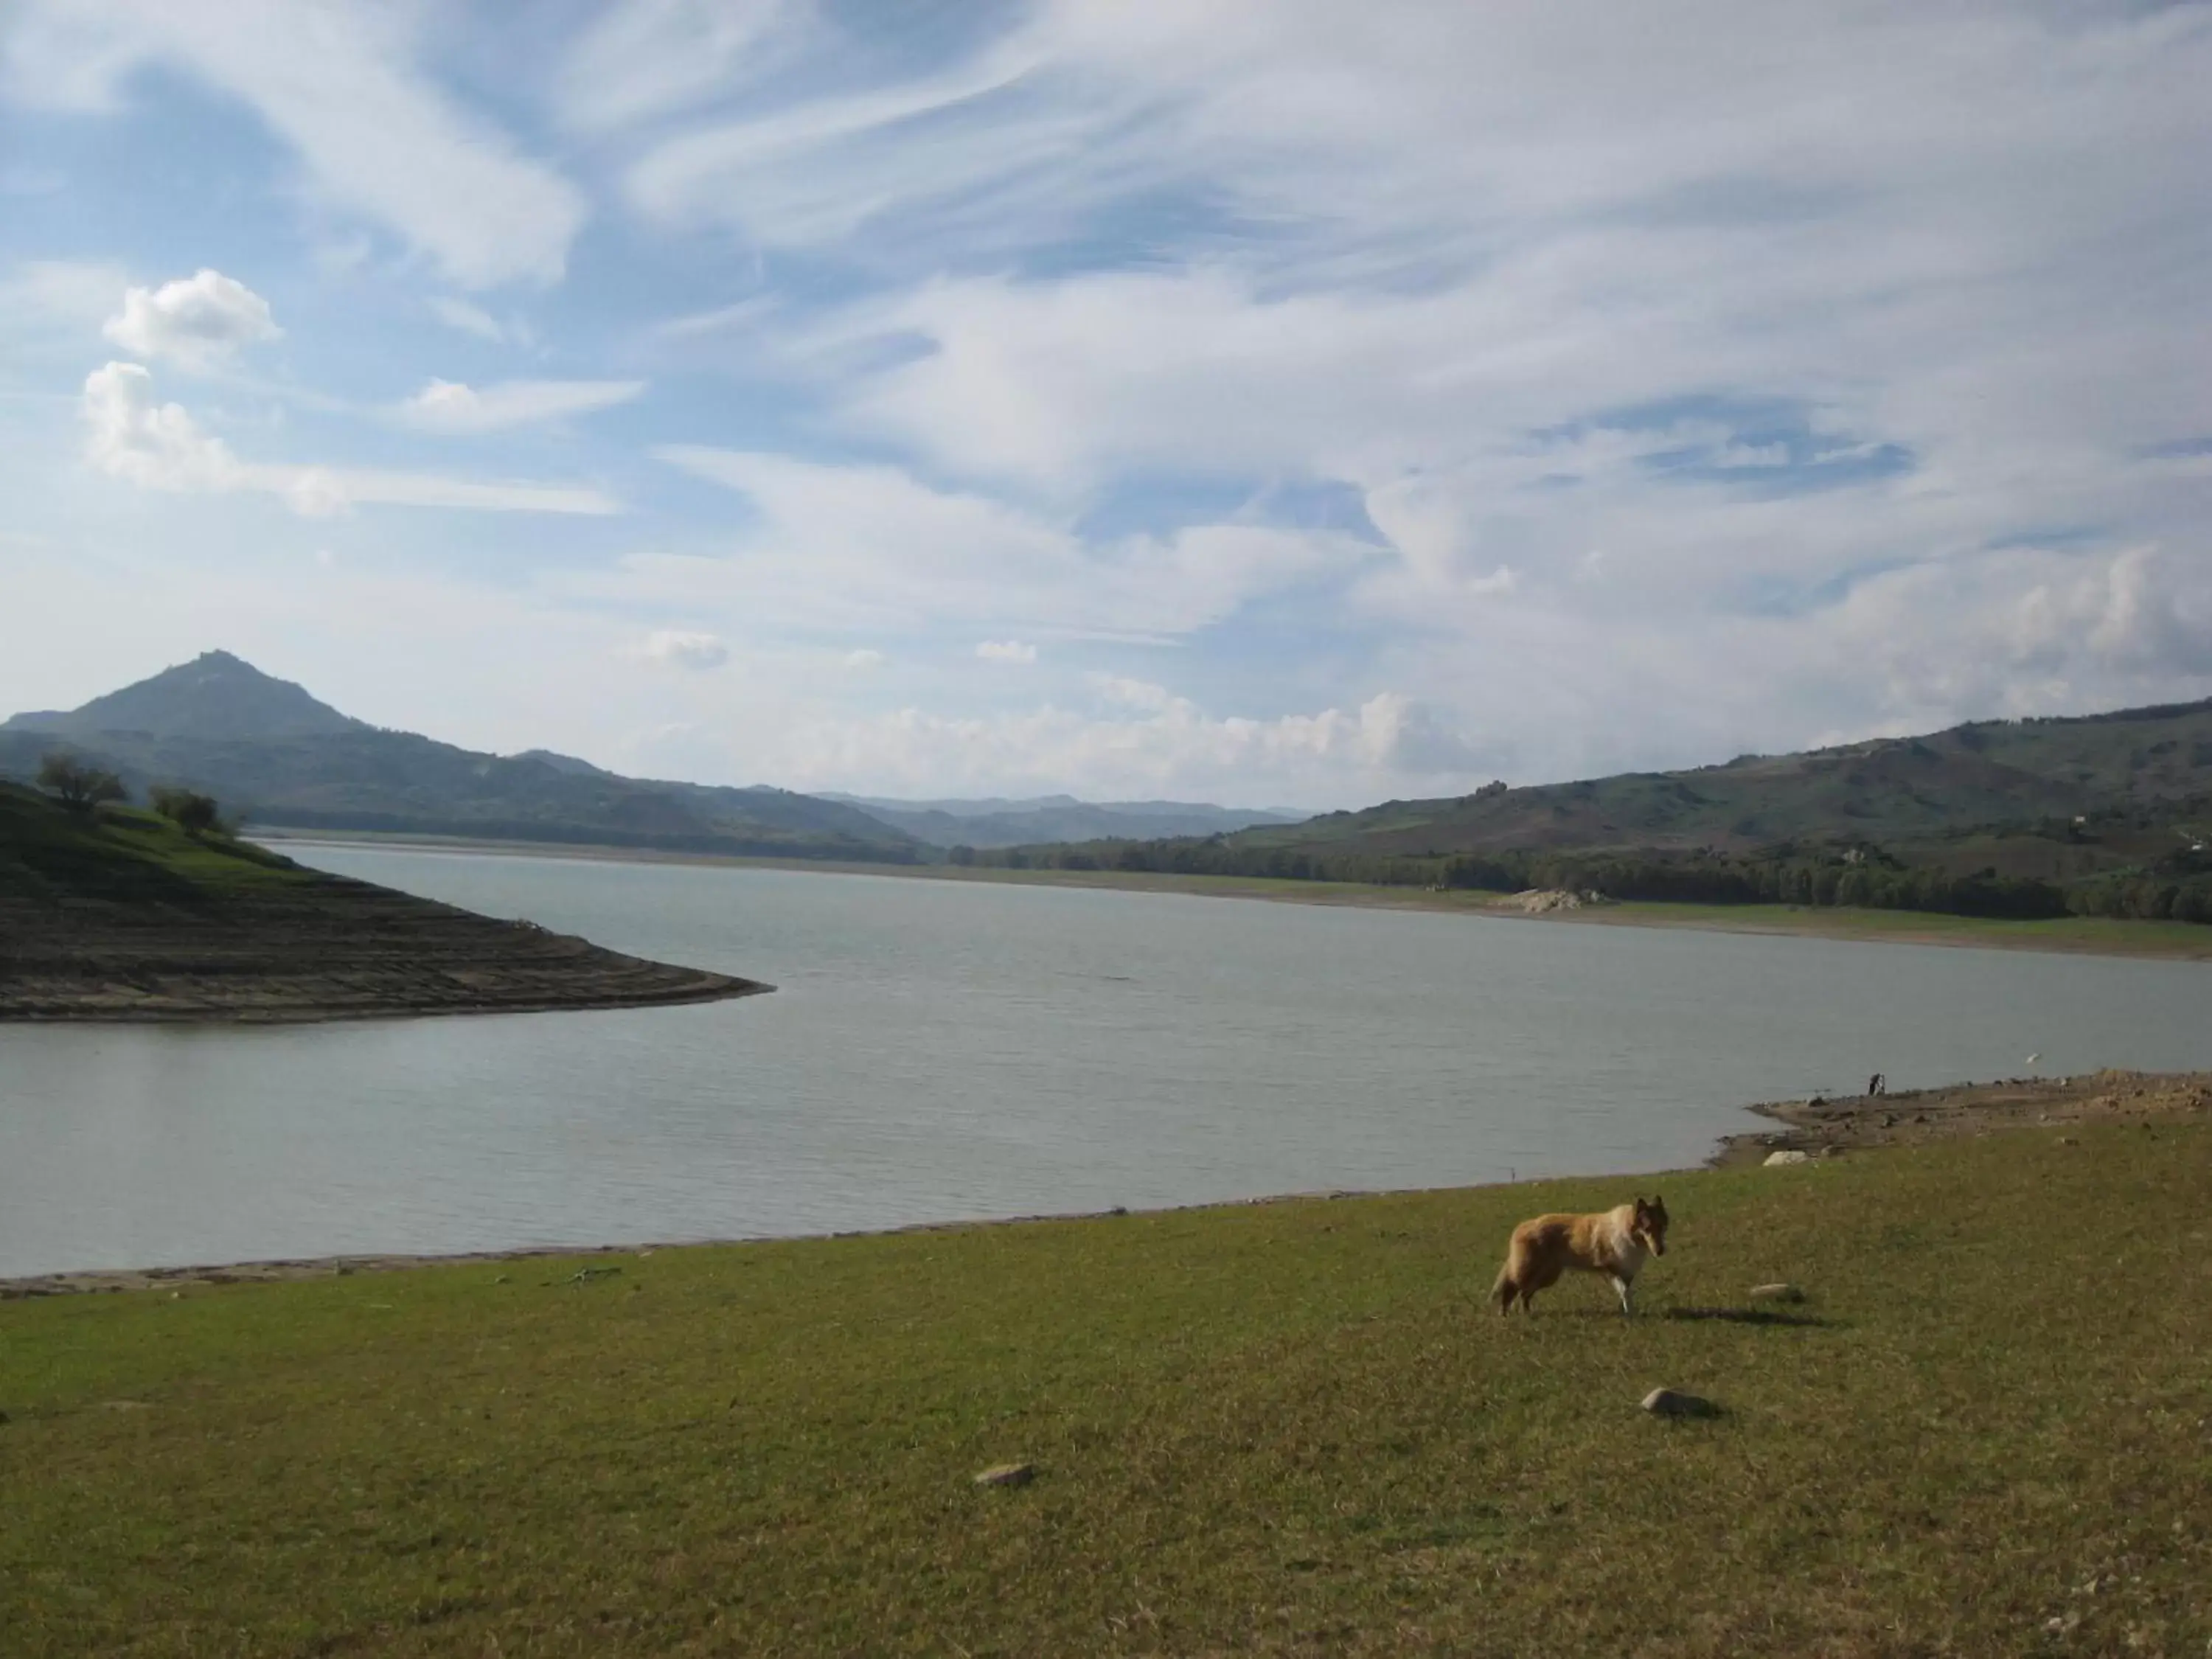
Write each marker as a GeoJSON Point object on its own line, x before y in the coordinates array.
{"type": "Point", "coordinates": [1615, 1242]}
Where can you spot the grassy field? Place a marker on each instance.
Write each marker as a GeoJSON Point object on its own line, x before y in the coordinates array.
{"type": "Point", "coordinates": [1288, 1428]}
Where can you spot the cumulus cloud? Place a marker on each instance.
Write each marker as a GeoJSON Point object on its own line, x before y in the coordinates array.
{"type": "Point", "coordinates": [133, 436]}
{"type": "Point", "coordinates": [678, 649]}
{"type": "Point", "coordinates": [155, 445]}
{"type": "Point", "coordinates": [455, 408]}
{"type": "Point", "coordinates": [861, 661]}
{"type": "Point", "coordinates": [194, 320]}
{"type": "Point", "coordinates": [1006, 651]}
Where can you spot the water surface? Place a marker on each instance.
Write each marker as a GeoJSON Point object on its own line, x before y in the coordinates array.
{"type": "Point", "coordinates": [942, 1049]}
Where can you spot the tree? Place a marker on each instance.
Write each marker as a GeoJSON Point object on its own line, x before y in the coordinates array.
{"type": "Point", "coordinates": [190, 811]}
{"type": "Point", "coordinates": [79, 787]}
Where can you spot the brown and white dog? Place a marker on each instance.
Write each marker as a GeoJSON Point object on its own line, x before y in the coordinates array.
{"type": "Point", "coordinates": [1614, 1243]}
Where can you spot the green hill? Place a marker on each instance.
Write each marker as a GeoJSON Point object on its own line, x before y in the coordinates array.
{"type": "Point", "coordinates": [1895, 789]}
{"type": "Point", "coordinates": [269, 750]}
{"type": "Point", "coordinates": [2106, 814]}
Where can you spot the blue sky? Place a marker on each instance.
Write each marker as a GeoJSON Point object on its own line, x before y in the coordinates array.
{"type": "Point", "coordinates": [1267, 402]}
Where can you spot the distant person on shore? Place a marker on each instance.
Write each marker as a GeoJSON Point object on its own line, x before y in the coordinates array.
{"type": "Point", "coordinates": [1877, 1084]}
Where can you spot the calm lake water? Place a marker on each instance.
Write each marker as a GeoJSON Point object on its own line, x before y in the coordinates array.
{"type": "Point", "coordinates": [942, 1049]}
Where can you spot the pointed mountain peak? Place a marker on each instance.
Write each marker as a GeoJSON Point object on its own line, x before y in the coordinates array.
{"type": "Point", "coordinates": [217, 695]}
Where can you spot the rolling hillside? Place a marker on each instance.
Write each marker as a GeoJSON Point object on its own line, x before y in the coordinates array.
{"type": "Point", "coordinates": [2104, 815]}
{"type": "Point", "coordinates": [1886, 791]}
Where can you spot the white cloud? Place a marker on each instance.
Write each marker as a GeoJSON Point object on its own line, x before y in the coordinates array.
{"type": "Point", "coordinates": [645, 59]}
{"type": "Point", "coordinates": [678, 649]}
{"type": "Point", "coordinates": [1006, 651]}
{"type": "Point", "coordinates": [872, 547]}
{"type": "Point", "coordinates": [1134, 746]}
{"type": "Point", "coordinates": [194, 320]}
{"type": "Point", "coordinates": [468, 319]}
{"type": "Point", "coordinates": [156, 445]}
{"type": "Point", "coordinates": [455, 408]}
{"type": "Point", "coordinates": [159, 445]}
{"type": "Point", "coordinates": [339, 84]}
{"type": "Point", "coordinates": [861, 661]}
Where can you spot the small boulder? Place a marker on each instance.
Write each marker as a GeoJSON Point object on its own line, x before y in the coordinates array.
{"type": "Point", "coordinates": [1776, 1293]}
{"type": "Point", "coordinates": [1788, 1155]}
{"type": "Point", "coordinates": [1670, 1402]}
{"type": "Point", "coordinates": [1006, 1474]}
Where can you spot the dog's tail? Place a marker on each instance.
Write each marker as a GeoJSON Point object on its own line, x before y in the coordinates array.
{"type": "Point", "coordinates": [1501, 1293]}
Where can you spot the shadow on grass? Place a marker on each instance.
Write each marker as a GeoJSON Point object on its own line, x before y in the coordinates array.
{"type": "Point", "coordinates": [1746, 1317]}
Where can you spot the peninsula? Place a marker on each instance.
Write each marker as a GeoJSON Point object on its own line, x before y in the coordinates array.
{"type": "Point", "coordinates": [112, 913]}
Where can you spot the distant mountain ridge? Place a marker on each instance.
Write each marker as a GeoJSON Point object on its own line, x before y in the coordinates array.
{"type": "Point", "coordinates": [268, 749]}
{"type": "Point", "coordinates": [997, 821]}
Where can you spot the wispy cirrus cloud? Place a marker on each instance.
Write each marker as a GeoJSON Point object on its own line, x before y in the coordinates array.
{"type": "Point", "coordinates": [342, 85]}
{"type": "Point", "coordinates": [455, 408]}
{"type": "Point", "coordinates": [840, 546]}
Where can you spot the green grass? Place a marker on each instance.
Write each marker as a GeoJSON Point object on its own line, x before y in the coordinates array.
{"type": "Point", "coordinates": [121, 854]}
{"type": "Point", "coordinates": [1290, 1428]}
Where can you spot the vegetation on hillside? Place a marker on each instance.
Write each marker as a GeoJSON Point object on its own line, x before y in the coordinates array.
{"type": "Point", "coordinates": [50, 854]}
{"type": "Point", "coordinates": [2108, 816]}
{"type": "Point", "coordinates": [1289, 1428]}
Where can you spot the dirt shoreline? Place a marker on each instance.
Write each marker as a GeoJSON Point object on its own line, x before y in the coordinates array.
{"type": "Point", "coordinates": [1819, 1127]}
{"type": "Point", "coordinates": [1828, 1126]}
{"type": "Point", "coordinates": [312, 947]}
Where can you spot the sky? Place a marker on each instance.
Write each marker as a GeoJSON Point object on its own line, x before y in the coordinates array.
{"type": "Point", "coordinates": [1273, 401]}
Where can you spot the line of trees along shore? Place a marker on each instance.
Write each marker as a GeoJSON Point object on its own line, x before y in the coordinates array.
{"type": "Point", "coordinates": [1863, 878]}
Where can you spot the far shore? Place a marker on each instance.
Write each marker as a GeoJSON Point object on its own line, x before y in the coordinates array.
{"type": "Point", "coordinates": [2071, 935]}
{"type": "Point", "coordinates": [1820, 1129]}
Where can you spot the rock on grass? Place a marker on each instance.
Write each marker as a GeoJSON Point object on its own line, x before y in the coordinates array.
{"type": "Point", "coordinates": [1670, 1402]}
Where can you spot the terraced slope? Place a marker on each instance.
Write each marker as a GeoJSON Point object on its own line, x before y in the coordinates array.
{"type": "Point", "coordinates": [122, 917]}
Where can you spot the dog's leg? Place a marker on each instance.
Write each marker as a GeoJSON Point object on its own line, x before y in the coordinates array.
{"type": "Point", "coordinates": [1621, 1287]}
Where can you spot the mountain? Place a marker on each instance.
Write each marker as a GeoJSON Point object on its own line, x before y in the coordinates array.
{"type": "Point", "coordinates": [998, 822]}
{"type": "Point", "coordinates": [269, 750]}
{"type": "Point", "coordinates": [214, 696]}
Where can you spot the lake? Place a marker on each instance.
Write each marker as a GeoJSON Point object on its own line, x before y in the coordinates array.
{"type": "Point", "coordinates": [943, 1049]}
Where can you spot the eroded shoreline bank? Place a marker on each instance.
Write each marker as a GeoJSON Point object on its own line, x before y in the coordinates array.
{"type": "Point", "coordinates": [315, 947]}
{"type": "Point", "coordinates": [1819, 1128]}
